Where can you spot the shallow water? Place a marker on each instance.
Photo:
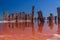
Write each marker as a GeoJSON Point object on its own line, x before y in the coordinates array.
{"type": "Point", "coordinates": [30, 31]}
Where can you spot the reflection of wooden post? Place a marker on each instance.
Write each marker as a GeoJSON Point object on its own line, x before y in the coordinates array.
{"type": "Point", "coordinates": [40, 27]}
{"type": "Point", "coordinates": [58, 30]}
{"type": "Point", "coordinates": [16, 25]}
{"type": "Point", "coordinates": [51, 25]}
{"type": "Point", "coordinates": [33, 31]}
{"type": "Point", "coordinates": [5, 27]}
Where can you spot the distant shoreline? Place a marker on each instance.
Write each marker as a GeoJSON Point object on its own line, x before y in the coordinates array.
{"type": "Point", "coordinates": [14, 21]}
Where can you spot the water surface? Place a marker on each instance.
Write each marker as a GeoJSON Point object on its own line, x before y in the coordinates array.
{"type": "Point", "coordinates": [30, 31]}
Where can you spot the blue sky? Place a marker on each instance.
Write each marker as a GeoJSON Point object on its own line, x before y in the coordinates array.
{"type": "Point", "coordinates": [14, 6]}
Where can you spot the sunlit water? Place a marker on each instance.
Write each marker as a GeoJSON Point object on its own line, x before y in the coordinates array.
{"type": "Point", "coordinates": [30, 31]}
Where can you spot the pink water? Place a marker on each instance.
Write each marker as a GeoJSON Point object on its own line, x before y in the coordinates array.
{"type": "Point", "coordinates": [30, 31]}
